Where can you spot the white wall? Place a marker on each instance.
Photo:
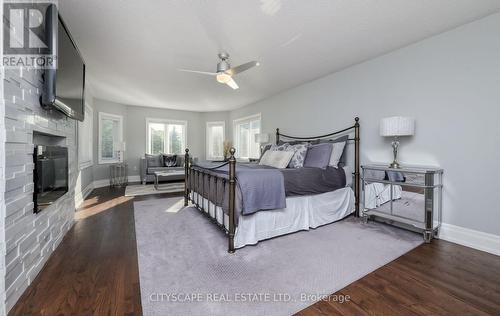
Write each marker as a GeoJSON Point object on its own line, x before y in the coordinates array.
{"type": "Point", "coordinates": [450, 83]}
{"type": "Point", "coordinates": [134, 132]}
{"type": "Point", "coordinates": [85, 178]}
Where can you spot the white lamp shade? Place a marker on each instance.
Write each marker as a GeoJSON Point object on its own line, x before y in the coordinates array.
{"type": "Point", "coordinates": [261, 138]}
{"type": "Point", "coordinates": [397, 126]}
{"type": "Point", "coordinates": [119, 146]}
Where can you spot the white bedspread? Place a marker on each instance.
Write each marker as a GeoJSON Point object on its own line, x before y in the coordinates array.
{"type": "Point", "coordinates": [301, 213]}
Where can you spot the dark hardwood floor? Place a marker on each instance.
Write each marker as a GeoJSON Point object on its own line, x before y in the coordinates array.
{"type": "Point", "coordinates": [94, 272]}
{"type": "Point", "coordinates": [441, 278]}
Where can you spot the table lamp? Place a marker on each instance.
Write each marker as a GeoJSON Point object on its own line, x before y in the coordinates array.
{"type": "Point", "coordinates": [262, 138]}
{"type": "Point", "coordinates": [396, 126]}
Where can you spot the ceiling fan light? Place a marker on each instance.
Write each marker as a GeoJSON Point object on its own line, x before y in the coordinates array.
{"type": "Point", "coordinates": [223, 78]}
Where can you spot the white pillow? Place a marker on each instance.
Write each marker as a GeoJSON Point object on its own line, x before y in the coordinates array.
{"type": "Point", "coordinates": [276, 159]}
{"type": "Point", "coordinates": [337, 150]}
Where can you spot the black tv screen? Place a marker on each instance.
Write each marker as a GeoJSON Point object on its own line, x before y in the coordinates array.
{"type": "Point", "coordinates": [64, 86]}
{"type": "Point", "coordinates": [50, 175]}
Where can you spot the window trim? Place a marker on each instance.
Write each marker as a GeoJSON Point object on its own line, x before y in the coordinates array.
{"type": "Point", "coordinates": [240, 120]}
{"type": "Point", "coordinates": [165, 121]}
{"type": "Point", "coordinates": [89, 113]}
{"type": "Point", "coordinates": [207, 138]}
{"type": "Point", "coordinates": [120, 133]}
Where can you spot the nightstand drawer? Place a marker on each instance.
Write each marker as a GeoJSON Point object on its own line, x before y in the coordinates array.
{"type": "Point", "coordinates": [406, 177]}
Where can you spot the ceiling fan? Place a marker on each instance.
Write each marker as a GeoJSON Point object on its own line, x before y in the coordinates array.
{"type": "Point", "coordinates": [224, 72]}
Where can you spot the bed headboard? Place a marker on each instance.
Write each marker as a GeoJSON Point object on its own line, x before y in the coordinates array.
{"type": "Point", "coordinates": [353, 132]}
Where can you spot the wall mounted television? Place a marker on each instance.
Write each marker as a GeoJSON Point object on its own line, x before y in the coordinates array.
{"type": "Point", "coordinates": [63, 87]}
{"type": "Point", "coordinates": [50, 175]}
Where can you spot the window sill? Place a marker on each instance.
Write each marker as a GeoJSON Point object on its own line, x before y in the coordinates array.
{"type": "Point", "coordinates": [108, 162]}
{"type": "Point", "coordinates": [215, 158]}
{"type": "Point", "coordinates": [85, 165]}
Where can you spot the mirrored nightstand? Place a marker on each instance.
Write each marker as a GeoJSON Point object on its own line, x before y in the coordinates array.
{"type": "Point", "coordinates": [409, 197]}
{"type": "Point", "coordinates": [118, 175]}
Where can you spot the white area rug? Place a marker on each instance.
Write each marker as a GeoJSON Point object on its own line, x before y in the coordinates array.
{"type": "Point", "coordinates": [139, 189]}
{"type": "Point", "coordinates": [185, 269]}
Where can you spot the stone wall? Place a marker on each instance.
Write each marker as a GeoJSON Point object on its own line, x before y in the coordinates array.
{"type": "Point", "coordinates": [30, 238]}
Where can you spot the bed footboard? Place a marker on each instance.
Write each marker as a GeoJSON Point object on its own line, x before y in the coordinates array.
{"type": "Point", "coordinates": [197, 193]}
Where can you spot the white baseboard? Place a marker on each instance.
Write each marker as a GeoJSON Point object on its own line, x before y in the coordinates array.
{"type": "Point", "coordinates": [82, 195]}
{"type": "Point", "coordinates": [470, 238]}
{"type": "Point", "coordinates": [136, 178]}
{"type": "Point", "coordinates": [101, 183]}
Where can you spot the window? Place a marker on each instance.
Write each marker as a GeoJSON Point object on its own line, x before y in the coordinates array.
{"type": "Point", "coordinates": [165, 136]}
{"type": "Point", "coordinates": [244, 137]}
{"type": "Point", "coordinates": [110, 138]}
{"type": "Point", "coordinates": [85, 139]}
{"type": "Point", "coordinates": [215, 140]}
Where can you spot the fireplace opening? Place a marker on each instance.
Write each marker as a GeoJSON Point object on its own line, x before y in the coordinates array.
{"type": "Point", "coordinates": [50, 175]}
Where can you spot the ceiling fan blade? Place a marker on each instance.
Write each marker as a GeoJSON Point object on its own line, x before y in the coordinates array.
{"type": "Point", "coordinates": [232, 84]}
{"type": "Point", "coordinates": [236, 70]}
{"type": "Point", "coordinates": [199, 72]}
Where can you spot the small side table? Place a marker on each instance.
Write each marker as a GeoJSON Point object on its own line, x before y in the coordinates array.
{"type": "Point", "coordinates": [118, 175]}
{"type": "Point", "coordinates": [409, 197]}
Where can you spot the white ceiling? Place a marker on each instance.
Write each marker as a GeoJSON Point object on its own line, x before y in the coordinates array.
{"type": "Point", "coordinates": [132, 48]}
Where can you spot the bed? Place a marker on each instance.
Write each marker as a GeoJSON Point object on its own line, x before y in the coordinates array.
{"type": "Point", "coordinates": [251, 202]}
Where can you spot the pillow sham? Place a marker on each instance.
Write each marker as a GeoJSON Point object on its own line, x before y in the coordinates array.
{"type": "Point", "coordinates": [299, 156]}
{"type": "Point", "coordinates": [299, 149]}
{"type": "Point", "coordinates": [338, 146]}
{"type": "Point", "coordinates": [337, 151]}
{"type": "Point", "coordinates": [276, 159]}
{"type": "Point", "coordinates": [318, 156]}
{"type": "Point", "coordinates": [280, 147]}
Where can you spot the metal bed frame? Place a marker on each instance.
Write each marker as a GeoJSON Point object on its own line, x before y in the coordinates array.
{"type": "Point", "coordinates": [194, 172]}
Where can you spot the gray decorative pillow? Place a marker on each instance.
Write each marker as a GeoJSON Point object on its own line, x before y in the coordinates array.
{"type": "Point", "coordinates": [180, 161]}
{"type": "Point", "coordinates": [299, 156]}
{"type": "Point", "coordinates": [170, 160]}
{"type": "Point", "coordinates": [336, 140]}
{"type": "Point", "coordinates": [299, 149]}
{"type": "Point", "coordinates": [318, 156]}
{"type": "Point", "coordinates": [338, 153]}
{"type": "Point", "coordinates": [154, 160]}
{"type": "Point", "coordinates": [280, 147]}
{"type": "Point", "coordinates": [276, 159]}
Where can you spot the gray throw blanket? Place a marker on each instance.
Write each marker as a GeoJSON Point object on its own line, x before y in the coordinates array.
{"type": "Point", "coordinates": [261, 187]}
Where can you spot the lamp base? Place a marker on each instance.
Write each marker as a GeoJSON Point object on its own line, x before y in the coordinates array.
{"type": "Point", "coordinates": [395, 165]}
{"type": "Point", "coordinates": [395, 146]}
